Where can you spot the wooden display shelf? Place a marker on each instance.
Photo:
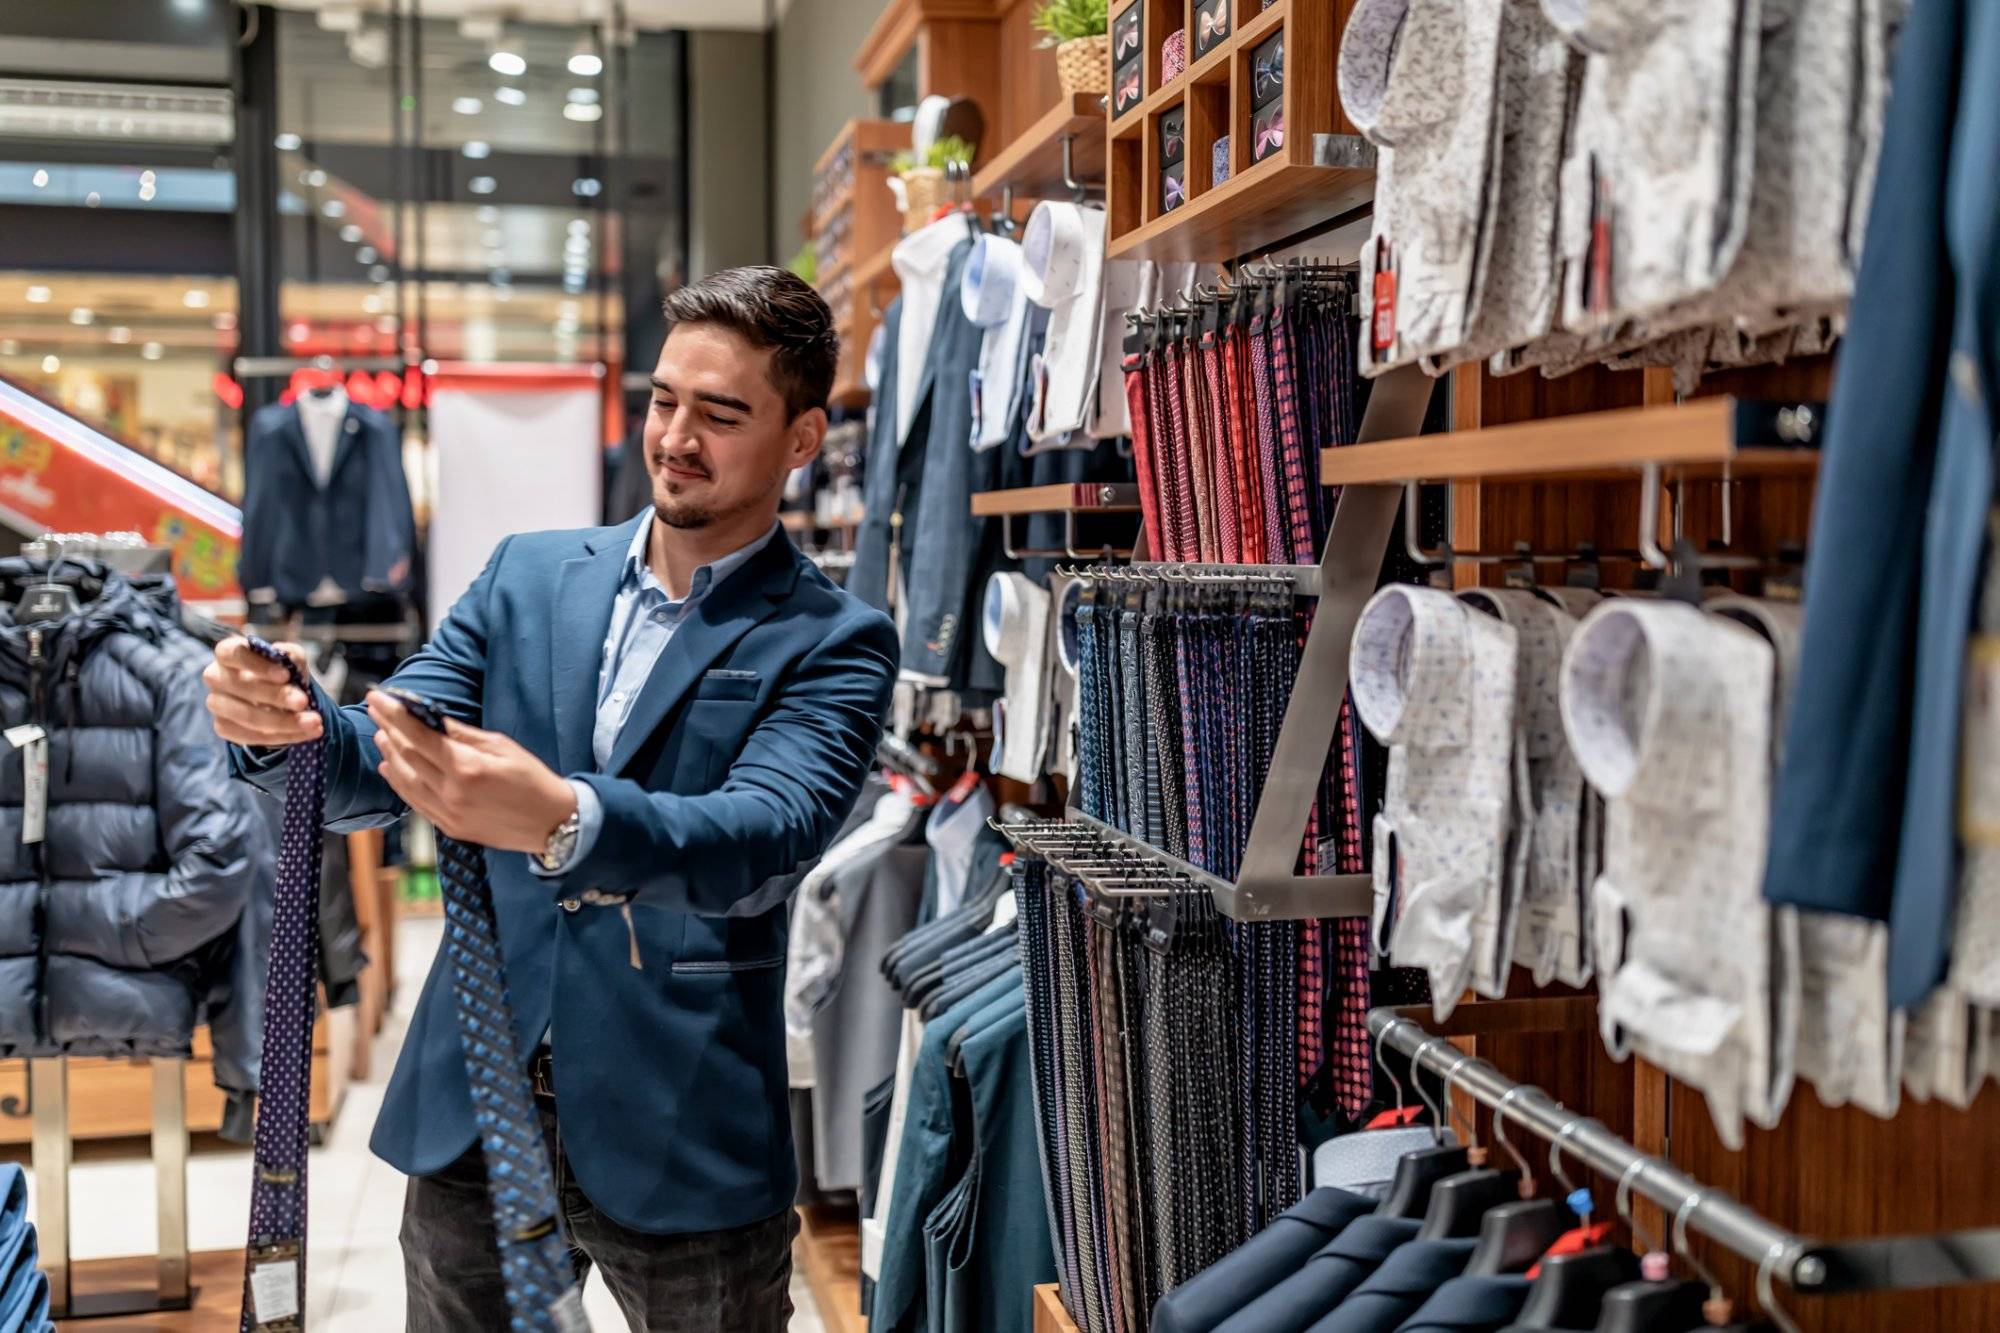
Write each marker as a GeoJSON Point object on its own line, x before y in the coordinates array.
{"type": "Point", "coordinates": [1081, 497]}
{"type": "Point", "coordinates": [1050, 1316]}
{"type": "Point", "coordinates": [1700, 438]}
{"type": "Point", "coordinates": [1254, 209]}
{"type": "Point", "coordinates": [1032, 163]}
{"type": "Point", "coordinates": [877, 266]}
{"type": "Point", "coordinates": [829, 1252]}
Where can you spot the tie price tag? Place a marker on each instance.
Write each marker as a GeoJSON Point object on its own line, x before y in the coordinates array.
{"type": "Point", "coordinates": [33, 743]}
{"type": "Point", "coordinates": [274, 1292]}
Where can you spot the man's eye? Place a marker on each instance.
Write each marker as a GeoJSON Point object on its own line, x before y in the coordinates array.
{"type": "Point", "coordinates": [722, 421]}
{"type": "Point", "coordinates": [663, 404]}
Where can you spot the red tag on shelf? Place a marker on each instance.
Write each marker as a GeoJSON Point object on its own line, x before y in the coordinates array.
{"type": "Point", "coordinates": [1383, 326]}
{"type": "Point", "coordinates": [1400, 1118]}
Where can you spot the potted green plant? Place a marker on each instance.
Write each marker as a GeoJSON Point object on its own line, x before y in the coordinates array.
{"type": "Point", "coordinates": [923, 182]}
{"type": "Point", "coordinates": [1079, 31]}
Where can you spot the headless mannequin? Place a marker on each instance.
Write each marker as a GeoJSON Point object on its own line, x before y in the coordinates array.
{"type": "Point", "coordinates": [321, 414]}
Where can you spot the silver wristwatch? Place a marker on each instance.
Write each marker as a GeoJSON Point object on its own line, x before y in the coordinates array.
{"type": "Point", "coordinates": [561, 844]}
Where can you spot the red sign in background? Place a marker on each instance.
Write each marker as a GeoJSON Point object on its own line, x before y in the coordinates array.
{"type": "Point", "coordinates": [59, 475]}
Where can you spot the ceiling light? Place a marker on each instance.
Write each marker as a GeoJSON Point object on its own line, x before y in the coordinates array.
{"type": "Point", "coordinates": [467, 106]}
{"type": "Point", "coordinates": [93, 199]}
{"type": "Point", "coordinates": [584, 62]}
{"type": "Point", "coordinates": [195, 299]}
{"type": "Point", "coordinates": [507, 63]}
{"type": "Point", "coordinates": [38, 294]}
{"type": "Point", "coordinates": [482, 185]}
{"type": "Point", "coordinates": [152, 351]}
{"type": "Point", "coordinates": [487, 213]}
{"type": "Point", "coordinates": [314, 178]}
{"type": "Point", "coordinates": [579, 226]}
{"type": "Point", "coordinates": [476, 149]}
{"type": "Point", "coordinates": [380, 273]}
{"type": "Point", "coordinates": [299, 331]}
{"type": "Point", "coordinates": [119, 334]}
{"type": "Point", "coordinates": [577, 244]}
{"type": "Point", "coordinates": [588, 96]}
{"type": "Point", "coordinates": [147, 177]}
{"type": "Point", "coordinates": [51, 364]}
{"type": "Point", "coordinates": [586, 187]}
{"type": "Point", "coordinates": [81, 315]}
{"type": "Point", "coordinates": [147, 191]}
{"type": "Point", "coordinates": [365, 255]}
{"type": "Point", "coordinates": [284, 143]}
{"type": "Point", "coordinates": [510, 96]}
{"type": "Point", "coordinates": [9, 347]}
{"type": "Point", "coordinates": [351, 233]}
{"type": "Point", "coordinates": [578, 111]}
{"type": "Point", "coordinates": [333, 208]}
{"type": "Point", "coordinates": [41, 178]}
{"type": "Point", "coordinates": [371, 305]}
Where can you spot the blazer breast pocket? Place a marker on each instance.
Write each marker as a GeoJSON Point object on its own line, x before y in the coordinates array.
{"type": "Point", "coordinates": [729, 685]}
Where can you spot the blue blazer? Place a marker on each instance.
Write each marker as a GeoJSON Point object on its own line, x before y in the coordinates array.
{"type": "Point", "coordinates": [1864, 814]}
{"type": "Point", "coordinates": [741, 757]}
{"type": "Point", "coordinates": [357, 530]}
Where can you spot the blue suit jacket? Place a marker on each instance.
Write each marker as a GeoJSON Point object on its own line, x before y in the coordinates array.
{"type": "Point", "coordinates": [741, 756]}
{"type": "Point", "coordinates": [1865, 810]}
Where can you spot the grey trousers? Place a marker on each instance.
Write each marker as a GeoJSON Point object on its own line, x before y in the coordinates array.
{"type": "Point", "coordinates": [734, 1281]}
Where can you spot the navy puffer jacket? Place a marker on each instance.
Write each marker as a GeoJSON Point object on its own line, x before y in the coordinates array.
{"type": "Point", "coordinates": [117, 926]}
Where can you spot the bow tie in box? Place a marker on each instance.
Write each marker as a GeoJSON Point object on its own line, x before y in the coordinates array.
{"type": "Point", "coordinates": [1267, 71]}
{"type": "Point", "coordinates": [1173, 134]}
{"type": "Point", "coordinates": [1173, 186]}
{"type": "Point", "coordinates": [1211, 25]}
{"type": "Point", "coordinates": [1125, 35]}
{"type": "Point", "coordinates": [1126, 90]}
{"type": "Point", "coordinates": [1267, 131]}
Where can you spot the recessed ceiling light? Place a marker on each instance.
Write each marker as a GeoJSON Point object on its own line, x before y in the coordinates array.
{"type": "Point", "coordinates": [507, 63]}
{"type": "Point", "coordinates": [351, 233]}
{"type": "Point", "coordinates": [587, 187]}
{"type": "Point", "coordinates": [467, 106]}
{"type": "Point", "coordinates": [119, 334]}
{"type": "Point", "coordinates": [93, 199]}
{"type": "Point", "coordinates": [380, 273]}
{"type": "Point", "coordinates": [476, 149]}
{"type": "Point", "coordinates": [365, 255]}
{"type": "Point", "coordinates": [81, 315]}
{"type": "Point", "coordinates": [586, 96]}
{"type": "Point", "coordinates": [333, 208]}
{"type": "Point", "coordinates": [41, 178]}
{"type": "Point", "coordinates": [510, 96]}
{"type": "Point", "coordinates": [195, 299]}
{"type": "Point", "coordinates": [152, 351]}
{"type": "Point", "coordinates": [146, 192]}
{"type": "Point", "coordinates": [586, 64]}
{"type": "Point", "coordinates": [147, 177]}
{"type": "Point", "coordinates": [482, 185]}
{"type": "Point", "coordinates": [314, 178]}
{"type": "Point", "coordinates": [51, 364]}
{"type": "Point", "coordinates": [38, 294]}
{"type": "Point", "coordinates": [578, 111]}
{"type": "Point", "coordinates": [284, 143]}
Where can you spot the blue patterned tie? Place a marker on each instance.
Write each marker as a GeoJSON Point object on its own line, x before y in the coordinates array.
{"type": "Point", "coordinates": [274, 1277]}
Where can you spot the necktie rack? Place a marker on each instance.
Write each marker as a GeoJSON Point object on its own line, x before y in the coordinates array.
{"type": "Point", "coordinates": [1806, 1265]}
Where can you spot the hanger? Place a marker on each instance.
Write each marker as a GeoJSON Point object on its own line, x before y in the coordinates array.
{"type": "Point", "coordinates": [1569, 1293]}
{"type": "Point", "coordinates": [1719, 1308]}
{"type": "Point", "coordinates": [1459, 1204]}
{"type": "Point", "coordinates": [1417, 1172]}
{"type": "Point", "coordinates": [1513, 1235]}
{"type": "Point", "coordinates": [47, 599]}
{"type": "Point", "coordinates": [1656, 1303]}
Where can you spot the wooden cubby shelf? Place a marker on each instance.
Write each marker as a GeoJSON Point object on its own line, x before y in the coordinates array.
{"type": "Point", "coordinates": [1703, 437]}
{"type": "Point", "coordinates": [1032, 163]}
{"type": "Point", "coordinates": [1063, 497]}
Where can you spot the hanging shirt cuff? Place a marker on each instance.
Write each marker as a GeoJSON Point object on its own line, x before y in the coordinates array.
{"type": "Point", "coordinates": [589, 823]}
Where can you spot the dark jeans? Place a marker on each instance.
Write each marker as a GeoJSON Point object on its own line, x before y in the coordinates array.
{"type": "Point", "coordinates": [735, 1281]}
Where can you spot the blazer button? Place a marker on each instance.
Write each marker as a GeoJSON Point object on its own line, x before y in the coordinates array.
{"type": "Point", "coordinates": [570, 904]}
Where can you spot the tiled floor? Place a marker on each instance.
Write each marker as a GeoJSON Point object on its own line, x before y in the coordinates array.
{"type": "Point", "coordinates": [355, 1278]}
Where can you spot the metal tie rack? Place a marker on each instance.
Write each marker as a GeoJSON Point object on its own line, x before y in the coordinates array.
{"type": "Point", "coordinates": [1817, 1267]}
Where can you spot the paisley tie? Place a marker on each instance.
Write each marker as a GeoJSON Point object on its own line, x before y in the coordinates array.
{"type": "Point", "coordinates": [275, 1264]}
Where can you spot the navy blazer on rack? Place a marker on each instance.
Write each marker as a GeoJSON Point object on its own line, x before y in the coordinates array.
{"type": "Point", "coordinates": [742, 754]}
{"type": "Point", "coordinates": [357, 530]}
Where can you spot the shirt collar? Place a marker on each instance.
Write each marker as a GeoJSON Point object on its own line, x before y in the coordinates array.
{"type": "Point", "coordinates": [638, 571]}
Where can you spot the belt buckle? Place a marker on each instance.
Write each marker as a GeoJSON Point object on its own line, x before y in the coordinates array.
{"type": "Point", "coordinates": [543, 1073]}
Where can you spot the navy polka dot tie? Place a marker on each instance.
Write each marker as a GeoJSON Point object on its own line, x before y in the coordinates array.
{"type": "Point", "coordinates": [275, 1265]}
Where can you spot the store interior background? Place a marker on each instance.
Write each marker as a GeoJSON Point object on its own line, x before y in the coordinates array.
{"type": "Point", "coordinates": [534, 218]}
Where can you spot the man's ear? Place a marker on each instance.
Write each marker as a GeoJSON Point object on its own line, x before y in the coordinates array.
{"type": "Point", "coordinates": [808, 434]}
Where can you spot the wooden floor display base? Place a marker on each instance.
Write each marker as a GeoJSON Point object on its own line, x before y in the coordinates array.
{"type": "Point", "coordinates": [829, 1254]}
{"type": "Point", "coordinates": [1050, 1316]}
{"type": "Point", "coordinates": [218, 1294]}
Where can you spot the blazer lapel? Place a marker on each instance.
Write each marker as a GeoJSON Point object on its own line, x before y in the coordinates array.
{"type": "Point", "coordinates": [724, 616]}
{"type": "Point", "coordinates": [295, 437]}
{"type": "Point", "coordinates": [586, 589]}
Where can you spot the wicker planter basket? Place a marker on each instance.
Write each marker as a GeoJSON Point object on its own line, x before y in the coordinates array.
{"type": "Point", "coordinates": [923, 189]}
{"type": "Point", "coordinates": [1083, 65]}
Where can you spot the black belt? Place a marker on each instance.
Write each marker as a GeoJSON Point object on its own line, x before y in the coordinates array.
{"type": "Point", "coordinates": [542, 1073]}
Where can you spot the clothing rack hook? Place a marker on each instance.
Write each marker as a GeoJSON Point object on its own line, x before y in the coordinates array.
{"type": "Point", "coordinates": [1438, 1125]}
{"type": "Point", "coordinates": [1767, 1295]}
{"type": "Point", "coordinates": [1381, 1046]}
{"type": "Point", "coordinates": [1500, 1133]}
{"type": "Point", "coordinates": [1649, 517]}
{"type": "Point", "coordinates": [1555, 1151]}
{"type": "Point", "coordinates": [1472, 1127]}
{"type": "Point", "coordinates": [1622, 1200]}
{"type": "Point", "coordinates": [1682, 1215]}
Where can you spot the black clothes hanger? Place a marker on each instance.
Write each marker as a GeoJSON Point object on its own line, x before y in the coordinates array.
{"type": "Point", "coordinates": [1513, 1235]}
{"type": "Point", "coordinates": [1570, 1291]}
{"type": "Point", "coordinates": [1418, 1172]}
{"type": "Point", "coordinates": [1459, 1204]}
{"type": "Point", "coordinates": [1653, 1307]}
{"type": "Point", "coordinates": [48, 598]}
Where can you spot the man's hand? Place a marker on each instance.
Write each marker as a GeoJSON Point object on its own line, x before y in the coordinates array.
{"type": "Point", "coordinates": [476, 786]}
{"type": "Point", "coordinates": [253, 699]}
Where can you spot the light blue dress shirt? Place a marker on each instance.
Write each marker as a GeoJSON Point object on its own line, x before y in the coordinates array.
{"type": "Point", "coordinates": [644, 620]}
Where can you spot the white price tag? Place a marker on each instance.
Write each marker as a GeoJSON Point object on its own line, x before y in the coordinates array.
{"type": "Point", "coordinates": [274, 1290]}
{"type": "Point", "coordinates": [35, 782]}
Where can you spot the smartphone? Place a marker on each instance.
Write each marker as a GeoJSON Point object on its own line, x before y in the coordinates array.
{"type": "Point", "coordinates": [422, 709]}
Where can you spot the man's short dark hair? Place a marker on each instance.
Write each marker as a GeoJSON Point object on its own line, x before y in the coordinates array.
{"type": "Point", "coordinates": [769, 308]}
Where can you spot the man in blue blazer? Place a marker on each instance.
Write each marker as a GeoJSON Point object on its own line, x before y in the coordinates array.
{"type": "Point", "coordinates": [678, 711]}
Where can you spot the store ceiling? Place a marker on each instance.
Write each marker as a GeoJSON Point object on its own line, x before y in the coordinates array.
{"type": "Point", "coordinates": [649, 14]}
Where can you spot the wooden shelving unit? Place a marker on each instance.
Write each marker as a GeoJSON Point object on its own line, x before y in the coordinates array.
{"type": "Point", "coordinates": [1050, 1316]}
{"type": "Point", "coordinates": [1080, 497]}
{"type": "Point", "coordinates": [1699, 439]}
{"type": "Point", "coordinates": [852, 220]}
{"type": "Point", "coordinates": [1261, 202]}
{"type": "Point", "coordinates": [1032, 164]}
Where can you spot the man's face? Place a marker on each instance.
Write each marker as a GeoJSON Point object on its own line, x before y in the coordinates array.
{"type": "Point", "coordinates": [718, 441]}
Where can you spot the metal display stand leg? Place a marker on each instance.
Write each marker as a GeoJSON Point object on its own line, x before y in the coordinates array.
{"type": "Point", "coordinates": [48, 1087]}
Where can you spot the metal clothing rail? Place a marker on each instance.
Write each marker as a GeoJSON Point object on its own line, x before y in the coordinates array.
{"type": "Point", "coordinates": [1303, 579]}
{"type": "Point", "coordinates": [1885, 1263]}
